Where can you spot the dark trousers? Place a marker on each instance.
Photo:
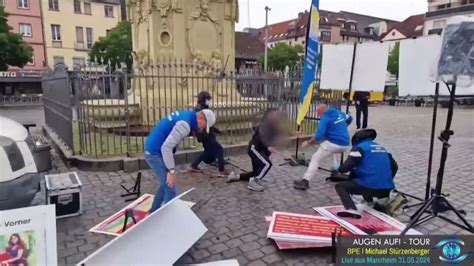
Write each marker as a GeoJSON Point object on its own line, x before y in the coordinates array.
{"type": "Point", "coordinates": [212, 150]}
{"type": "Point", "coordinates": [347, 188]}
{"type": "Point", "coordinates": [261, 163]}
{"type": "Point", "coordinates": [362, 107]}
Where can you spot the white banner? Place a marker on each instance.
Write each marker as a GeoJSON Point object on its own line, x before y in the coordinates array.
{"type": "Point", "coordinates": [28, 236]}
{"type": "Point", "coordinates": [336, 66]}
{"type": "Point", "coordinates": [370, 67]}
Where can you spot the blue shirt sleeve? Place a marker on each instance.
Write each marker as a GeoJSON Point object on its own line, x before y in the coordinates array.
{"type": "Point", "coordinates": [348, 119]}
{"type": "Point", "coordinates": [321, 133]}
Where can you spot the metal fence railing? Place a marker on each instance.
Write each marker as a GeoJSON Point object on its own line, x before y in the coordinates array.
{"type": "Point", "coordinates": [114, 110]}
{"type": "Point", "coordinates": [26, 99]}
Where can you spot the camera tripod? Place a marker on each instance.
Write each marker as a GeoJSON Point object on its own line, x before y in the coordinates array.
{"type": "Point", "coordinates": [438, 202]}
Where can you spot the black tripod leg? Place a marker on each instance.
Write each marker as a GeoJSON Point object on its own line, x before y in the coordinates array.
{"type": "Point", "coordinates": [417, 216]}
{"type": "Point", "coordinates": [459, 215]}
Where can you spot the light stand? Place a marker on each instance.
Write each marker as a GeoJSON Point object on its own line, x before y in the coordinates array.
{"type": "Point", "coordinates": [438, 202]}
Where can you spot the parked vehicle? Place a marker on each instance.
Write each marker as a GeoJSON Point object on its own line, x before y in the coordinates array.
{"type": "Point", "coordinates": [19, 176]}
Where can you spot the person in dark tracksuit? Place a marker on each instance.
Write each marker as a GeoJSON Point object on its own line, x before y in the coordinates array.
{"type": "Point", "coordinates": [212, 148]}
{"type": "Point", "coordinates": [372, 169]}
{"type": "Point", "coordinates": [260, 147]}
{"type": "Point", "coordinates": [361, 99]}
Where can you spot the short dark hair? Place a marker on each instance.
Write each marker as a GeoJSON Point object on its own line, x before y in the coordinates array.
{"type": "Point", "coordinates": [203, 96]}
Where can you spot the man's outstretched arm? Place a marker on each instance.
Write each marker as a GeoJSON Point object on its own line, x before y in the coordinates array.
{"type": "Point", "coordinates": [354, 158]}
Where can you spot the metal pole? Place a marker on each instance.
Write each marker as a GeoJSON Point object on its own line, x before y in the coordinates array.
{"type": "Point", "coordinates": [265, 67]}
{"type": "Point", "coordinates": [352, 77]}
{"type": "Point", "coordinates": [433, 129]}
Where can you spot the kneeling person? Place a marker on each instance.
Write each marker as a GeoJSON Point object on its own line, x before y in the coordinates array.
{"type": "Point", "coordinates": [161, 143]}
{"type": "Point", "coordinates": [261, 146]}
{"type": "Point", "coordinates": [371, 168]}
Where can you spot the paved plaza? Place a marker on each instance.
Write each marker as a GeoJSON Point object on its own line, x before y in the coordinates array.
{"type": "Point", "coordinates": [235, 216]}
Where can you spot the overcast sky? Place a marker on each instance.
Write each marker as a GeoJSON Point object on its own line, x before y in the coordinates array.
{"type": "Point", "coordinates": [288, 9]}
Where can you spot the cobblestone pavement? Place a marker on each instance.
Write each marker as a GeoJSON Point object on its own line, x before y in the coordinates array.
{"type": "Point", "coordinates": [235, 216]}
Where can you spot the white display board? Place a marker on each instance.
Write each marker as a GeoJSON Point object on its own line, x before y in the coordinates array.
{"type": "Point", "coordinates": [417, 67]}
{"type": "Point", "coordinates": [336, 66]}
{"type": "Point", "coordinates": [159, 239]}
{"type": "Point", "coordinates": [370, 67]}
{"type": "Point", "coordinates": [32, 230]}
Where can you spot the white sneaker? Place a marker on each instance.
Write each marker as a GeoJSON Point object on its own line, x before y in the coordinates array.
{"type": "Point", "coordinates": [254, 185]}
{"type": "Point", "coordinates": [233, 177]}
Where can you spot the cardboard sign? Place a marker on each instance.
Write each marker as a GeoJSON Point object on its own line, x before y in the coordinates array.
{"type": "Point", "coordinates": [28, 236]}
{"type": "Point", "coordinates": [371, 223]}
{"type": "Point", "coordinates": [140, 207]}
{"type": "Point", "coordinates": [159, 239]}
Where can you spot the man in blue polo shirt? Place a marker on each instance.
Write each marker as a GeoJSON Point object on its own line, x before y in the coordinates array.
{"type": "Point", "coordinates": [162, 141]}
{"type": "Point", "coordinates": [334, 135]}
{"type": "Point", "coordinates": [372, 169]}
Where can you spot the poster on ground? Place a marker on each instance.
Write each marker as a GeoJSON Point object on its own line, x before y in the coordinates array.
{"type": "Point", "coordinates": [28, 236]}
{"type": "Point", "coordinates": [371, 223]}
{"type": "Point", "coordinates": [161, 238]}
{"type": "Point", "coordinates": [115, 223]}
{"type": "Point", "coordinates": [293, 231]}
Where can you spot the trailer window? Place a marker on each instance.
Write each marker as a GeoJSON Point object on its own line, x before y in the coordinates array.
{"type": "Point", "coordinates": [13, 153]}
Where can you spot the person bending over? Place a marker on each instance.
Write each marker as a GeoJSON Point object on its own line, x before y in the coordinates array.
{"type": "Point", "coordinates": [212, 148]}
{"type": "Point", "coordinates": [260, 147]}
{"type": "Point", "coordinates": [161, 143]}
{"type": "Point", "coordinates": [372, 169]}
{"type": "Point", "coordinates": [333, 133]}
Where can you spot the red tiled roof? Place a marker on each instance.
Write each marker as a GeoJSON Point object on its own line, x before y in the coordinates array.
{"type": "Point", "coordinates": [408, 26]}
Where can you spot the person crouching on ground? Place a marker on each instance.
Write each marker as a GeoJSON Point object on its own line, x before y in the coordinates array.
{"type": "Point", "coordinates": [372, 169]}
{"type": "Point", "coordinates": [212, 148]}
{"type": "Point", "coordinates": [260, 147]}
{"type": "Point", "coordinates": [332, 130]}
{"type": "Point", "coordinates": [161, 143]}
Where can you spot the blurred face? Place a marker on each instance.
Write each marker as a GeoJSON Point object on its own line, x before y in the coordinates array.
{"type": "Point", "coordinates": [274, 116]}
{"type": "Point", "coordinates": [201, 120]}
{"type": "Point", "coordinates": [14, 239]}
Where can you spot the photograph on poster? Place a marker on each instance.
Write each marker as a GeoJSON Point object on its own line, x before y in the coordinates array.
{"type": "Point", "coordinates": [371, 223]}
{"type": "Point", "coordinates": [18, 249]}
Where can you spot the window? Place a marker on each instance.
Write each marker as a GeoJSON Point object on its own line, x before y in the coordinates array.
{"type": "Point", "coordinates": [25, 30]}
{"type": "Point", "coordinates": [2, 2]}
{"type": "Point", "coordinates": [439, 24]}
{"type": "Point", "coordinates": [24, 4]}
{"type": "Point", "coordinates": [325, 36]}
{"type": "Point", "coordinates": [107, 32]}
{"type": "Point", "coordinates": [353, 27]}
{"type": "Point", "coordinates": [56, 32]}
{"type": "Point", "coordinates": [32, 61]}
{"type": "Point", "coordinates": [87, 9]}
{"type": "Point", "coordinates": [53, 4]}
{"type": "Point", "coordinates": [109, 11]}
{"type": "Point", "coordinates": [78, 61]}
{"type": "Point", "coordinates": [89, 38]}
{"type": "Point", "coordinates": [79, 35]}
{"type": "Point", "coordinates": [77, 6]}
{"type": "Point", "coordinates": [13, 153]}
{"type": "Point", "coordinates": [58, 60]}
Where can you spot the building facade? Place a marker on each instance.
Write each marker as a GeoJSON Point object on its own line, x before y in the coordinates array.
{"type": "Point", "coordinates": [71, 27]}
{"type": "Point", "coordinates": [335, 27]}
{"type": "Point", "coordinates": [24, 17]}
{"type": "Point", "coordinates": [411, 27]}
{"type": "Point", "coordinates": [440, 11]}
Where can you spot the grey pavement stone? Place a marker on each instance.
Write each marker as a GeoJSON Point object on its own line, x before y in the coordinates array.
{"type": "Point", "coordinates": [235, 216]}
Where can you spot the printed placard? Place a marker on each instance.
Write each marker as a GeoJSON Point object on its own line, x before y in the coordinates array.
{"type": "Point", "coordinates": [28, 236]}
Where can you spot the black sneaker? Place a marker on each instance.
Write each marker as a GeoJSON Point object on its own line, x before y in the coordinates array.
{"type": "Point", "coordinates": [350, 214]}
{"type": "Point", "coordinates": [302, 184]}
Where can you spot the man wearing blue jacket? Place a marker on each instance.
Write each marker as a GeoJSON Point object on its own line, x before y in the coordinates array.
{"type": "Point", "coordinates": [333, 134]}
{"type": "Point", "coordinates": [372, 169]}
{"type": "Point", "coordinates": [161, 143]}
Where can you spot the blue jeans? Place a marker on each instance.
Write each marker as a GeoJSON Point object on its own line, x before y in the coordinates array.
{"type": "Point", "coordinates": [164, 192]}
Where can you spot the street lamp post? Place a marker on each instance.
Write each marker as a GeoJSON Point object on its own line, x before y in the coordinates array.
{"type": "Point", "coordinates": [265, 65]}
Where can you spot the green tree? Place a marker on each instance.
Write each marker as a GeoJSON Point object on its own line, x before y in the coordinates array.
{"type": "Point", "coordinates": [13, 50]}
{"type": "Point", "coordinates": [393, 59]}
{"type": "Point", "coordinates": [282, 55]}
{"type": "Point", "coordinates": [116, 48]}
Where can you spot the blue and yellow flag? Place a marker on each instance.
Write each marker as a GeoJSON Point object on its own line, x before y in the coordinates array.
{"type": "Point", "coordinates": [310, 70]}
